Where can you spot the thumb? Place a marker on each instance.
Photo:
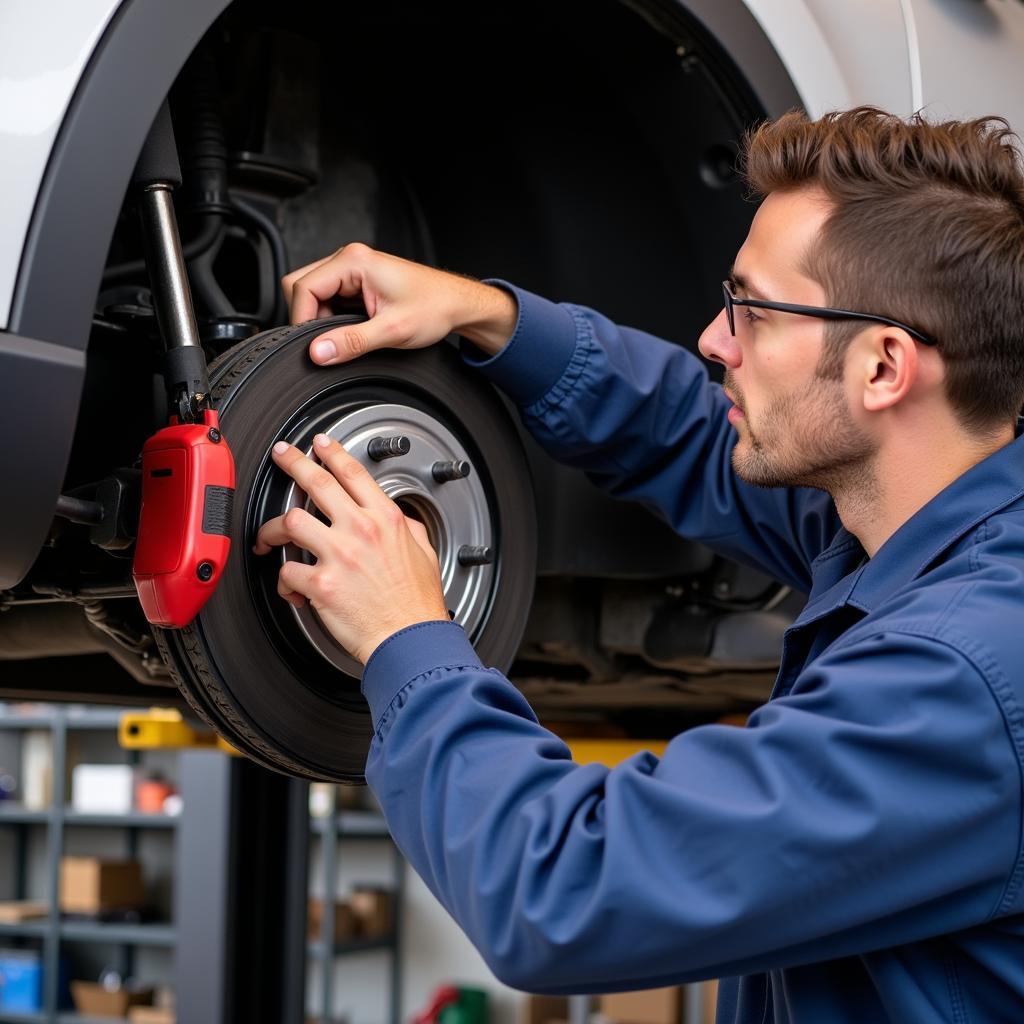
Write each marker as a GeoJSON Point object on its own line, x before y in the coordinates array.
{"type": "Point", "coordinates": [349, 341]}
{"type": "Point", "coordinates": [419, 534]}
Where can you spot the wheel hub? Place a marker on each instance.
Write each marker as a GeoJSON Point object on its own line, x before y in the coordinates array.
{"type": "Point", "coordinates": [455, 511]}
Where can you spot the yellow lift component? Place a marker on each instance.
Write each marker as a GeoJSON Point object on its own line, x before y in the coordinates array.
{"type": "Point", "coordinates": [164, 728]}
{"type": "Point", "coordinates": [612, 752]}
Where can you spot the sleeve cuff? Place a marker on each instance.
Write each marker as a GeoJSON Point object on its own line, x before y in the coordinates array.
{"type": "Point", "coordinates": [537, 354]}
{"type": "Point", "coordinates": [412, 652]}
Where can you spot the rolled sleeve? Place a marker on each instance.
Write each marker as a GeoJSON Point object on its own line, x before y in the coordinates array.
{"type": "Point", "coordinates": [412, 652]}
{"type": "Point", "coordinates": [538, 353]}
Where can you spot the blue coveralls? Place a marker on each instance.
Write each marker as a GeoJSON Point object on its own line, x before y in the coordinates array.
{"type": "Point", "coordinates": [853, 854]}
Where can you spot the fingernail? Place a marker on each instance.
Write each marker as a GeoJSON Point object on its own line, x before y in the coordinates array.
{"type": "Point", "coordinates": [321, 440]}
{"type": "Point", "coordinates": [281, 447]}
{"type": "Point", "coordinates": [324, 349]}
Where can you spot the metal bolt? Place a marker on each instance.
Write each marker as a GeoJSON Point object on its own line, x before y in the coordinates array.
{"type": "Point", "coordinates": [442, 472]}
{"type": "Point", "coordinates": [204, 570]}
{"type": "Point", "coordinates": [213, 434]}
{"type": "Point", "coordinates": [381, 448]}
{"type": "Point", "coordinates": [475, 555]}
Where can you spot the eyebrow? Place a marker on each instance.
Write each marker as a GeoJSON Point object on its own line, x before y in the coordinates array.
{"type": "Point", "coordinates": [743, 285]}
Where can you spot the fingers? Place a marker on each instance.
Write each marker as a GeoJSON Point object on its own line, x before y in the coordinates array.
{"type": "Point", "coordinates": [295, 582]}
{"type": "Point", "coordinates": [350, 341]}
{"type": "Point", "coordinates": [420, 535]}
{"type": "Point", "coordinates": [350, 473]}
{"type": "Point", "coordinates": [296, 526]}
{"type": "Point", "coordinates": [320, 484]}
{"type": "Point", "coordinates": [342, 273]}
{"type": "Point", "coordinates": [289, 279]}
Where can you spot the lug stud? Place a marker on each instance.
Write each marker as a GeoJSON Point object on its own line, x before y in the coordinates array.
{"type": "Point", "coordinates": [381, 448]}
{"type": "Point", "coordinates": [442, 472]}
{"type": "Point", "coordinates": [470, 554]}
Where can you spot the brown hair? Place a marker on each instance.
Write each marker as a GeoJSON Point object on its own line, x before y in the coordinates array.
{"type": "Point", "coordinates": [927, 228]}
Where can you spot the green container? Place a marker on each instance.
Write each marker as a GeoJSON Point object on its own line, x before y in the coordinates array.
{"type": "Point", "coordinates": [471, 1008]}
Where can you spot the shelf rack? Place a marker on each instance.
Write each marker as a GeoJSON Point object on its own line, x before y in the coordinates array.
{"type": "Point", "coordinates": [333, 828]}
{"type": "Point", "coordinates": [55, 929]}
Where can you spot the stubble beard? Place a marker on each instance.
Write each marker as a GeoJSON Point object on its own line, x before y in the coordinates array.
{"type": "Point", "coordinates": [807, 439]}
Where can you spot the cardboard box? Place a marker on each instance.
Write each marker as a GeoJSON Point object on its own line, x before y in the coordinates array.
{"type": "Point", "coordinates": [710, 1001]}
{"type": "Point", "coordinates": [92, 999]}
{"type": "Point", "coordinates": [346, 924]}
{"type": "Point", "coordinates": [151, 1015]}
{"type": "Point", "coordinates": [544, 1009]}
{"type": "Point", "coordinates": [649, 1006]}
{"type": "Point", "coordinates": [373, 907]}
{"type": "Point", "coordinates": [16, 911]}
{"type": "Point", "coordinates": [89, 885]}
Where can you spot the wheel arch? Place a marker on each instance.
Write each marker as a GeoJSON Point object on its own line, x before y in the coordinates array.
{"type": "Point", "coordinates": [42, 353]}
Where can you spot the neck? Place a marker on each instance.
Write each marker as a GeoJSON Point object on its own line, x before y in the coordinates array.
{"type": "Point", "coordinates": [903, 476]}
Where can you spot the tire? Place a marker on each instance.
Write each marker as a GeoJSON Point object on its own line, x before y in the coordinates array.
{"type": "Point", "coordinates": [264, 678]}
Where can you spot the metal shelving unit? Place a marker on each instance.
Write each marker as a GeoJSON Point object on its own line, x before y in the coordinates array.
{"type": "Point", "coordinates": [242, 831]}
{"type": "Point", "coordinates": [361, 826]}
{"type": "Point", "coordinates": [54, 930]}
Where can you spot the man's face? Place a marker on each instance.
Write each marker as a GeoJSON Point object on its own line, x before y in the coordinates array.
{"type": "Point", "coordinates": [795, 426]}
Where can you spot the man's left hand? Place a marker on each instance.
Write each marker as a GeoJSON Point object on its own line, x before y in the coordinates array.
{"type": "Point", "coordinates": [375, 570]}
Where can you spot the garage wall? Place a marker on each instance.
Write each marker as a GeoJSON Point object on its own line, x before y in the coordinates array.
{"type": "Point", "coordinates": [435, 950]}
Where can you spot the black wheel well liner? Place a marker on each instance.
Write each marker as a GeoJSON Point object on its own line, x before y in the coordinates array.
{"type": "Point", "coordinates": [145, 44]}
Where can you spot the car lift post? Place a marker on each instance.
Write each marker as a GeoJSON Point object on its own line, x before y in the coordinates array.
{"type": "Point", "coordinates": [242, 864]}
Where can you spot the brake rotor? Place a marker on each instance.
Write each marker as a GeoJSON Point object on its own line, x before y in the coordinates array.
{"type": "Point", "coordinates": [432, 482]}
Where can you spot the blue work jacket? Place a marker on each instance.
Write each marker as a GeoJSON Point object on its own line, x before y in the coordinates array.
{"type": "Point", "coordinates": [853, 854]}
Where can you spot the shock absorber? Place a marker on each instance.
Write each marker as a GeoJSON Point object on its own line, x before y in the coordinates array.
{"type": "Point", "coordinates": [188, 473]}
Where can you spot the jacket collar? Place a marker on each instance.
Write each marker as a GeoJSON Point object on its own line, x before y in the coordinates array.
{"type": "Point", "coordinates": [983, 490]}
{"type": "Point", "coordinates": [843, 574]}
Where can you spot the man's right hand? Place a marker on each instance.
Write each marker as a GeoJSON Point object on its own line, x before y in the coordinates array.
{"type": "Point", "coordinates": [409, 305]}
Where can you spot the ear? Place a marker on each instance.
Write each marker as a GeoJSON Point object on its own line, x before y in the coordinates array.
{"type": "Point", "coordinates": [890, 363]}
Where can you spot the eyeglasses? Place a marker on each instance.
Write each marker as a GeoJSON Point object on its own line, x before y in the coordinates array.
{"type": "Point", "coordinates": [822, 312]}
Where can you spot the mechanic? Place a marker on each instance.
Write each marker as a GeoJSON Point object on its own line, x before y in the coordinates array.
{"type": "Point", "coordinates": [854, 853]}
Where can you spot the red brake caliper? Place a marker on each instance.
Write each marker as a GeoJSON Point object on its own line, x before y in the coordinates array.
{"type": "Point", "coordinates": [185, 527]}
{"type": "Point", "coordinates": [188, 473]}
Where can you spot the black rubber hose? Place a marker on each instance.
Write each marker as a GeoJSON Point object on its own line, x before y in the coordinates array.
{"type": "Point", "coordinates": [266, 226]}
{"type": "Point", "coordinates": [78, 510]}
{"type": "Point", "coordinates": [206, 153]}
{"type": "Point", "coordinates": [209, 232]}
{"type": "Point", "coordinates": [204, 284]}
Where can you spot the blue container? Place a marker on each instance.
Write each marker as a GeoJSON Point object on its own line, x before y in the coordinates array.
{"type": "Point", "coordinates": [21, 980]}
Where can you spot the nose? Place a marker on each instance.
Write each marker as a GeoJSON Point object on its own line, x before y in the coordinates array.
{"type": "Point", "coordinates": [718, 344]}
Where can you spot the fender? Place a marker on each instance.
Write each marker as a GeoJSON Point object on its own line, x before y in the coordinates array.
{"type": "Point", "coordinates": [947, 58]}
{"type": "Point", "coordinates": [108, 93]}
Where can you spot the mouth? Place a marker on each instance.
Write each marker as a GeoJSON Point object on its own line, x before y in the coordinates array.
{"type": "Point", "coordinates": [735, 412]}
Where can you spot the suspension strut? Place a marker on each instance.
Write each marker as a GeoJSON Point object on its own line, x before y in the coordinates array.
{"type": "Point", "coordinates": [188, 473]}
